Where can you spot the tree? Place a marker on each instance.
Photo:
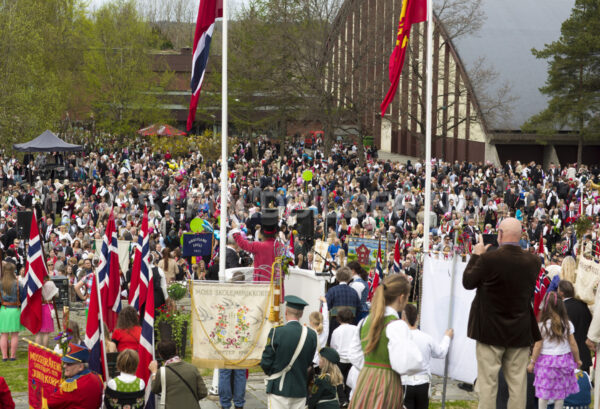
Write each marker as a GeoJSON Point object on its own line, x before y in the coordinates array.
{"type": "Point", "coordinates": [41, 49]}
{"type": "Point", "coordinates": [118, 70]}
{"type": "Point", "coordinates": [573, 82]}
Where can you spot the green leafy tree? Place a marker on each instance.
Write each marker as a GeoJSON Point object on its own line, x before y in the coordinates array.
{"type": "Point", "coordinates": [119, 72]}
{"type": "Point", "coordinates": [573, 83]}
{"type": "Point", "coordinates": [41, 50]}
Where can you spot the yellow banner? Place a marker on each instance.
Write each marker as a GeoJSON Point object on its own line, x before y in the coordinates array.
{"type": "Point", "coordinates": [230, 324]}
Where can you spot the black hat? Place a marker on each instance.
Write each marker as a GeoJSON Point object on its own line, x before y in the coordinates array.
{"type": "Point", "coordinates": [330, 354]}
{"type": "Point", "coordinates": [269, 220]}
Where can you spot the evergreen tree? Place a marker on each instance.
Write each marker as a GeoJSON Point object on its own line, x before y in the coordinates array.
{"type": "Point", "coordinates": [573, 83]}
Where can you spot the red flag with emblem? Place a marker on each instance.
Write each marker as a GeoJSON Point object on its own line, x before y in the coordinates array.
{"type": "Point", "coordinates": [413, 11]}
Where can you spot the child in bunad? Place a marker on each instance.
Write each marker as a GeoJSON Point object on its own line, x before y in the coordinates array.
{"type": "Point", "coordinates": [324, 389]}
{"type": "Point", "coordinates": [556, 356]}
{"type": "Point", "coordinates": [340, 341]}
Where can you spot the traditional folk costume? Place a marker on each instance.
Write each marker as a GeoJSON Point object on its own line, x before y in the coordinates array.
{"type": "Point", "coordinates": [379, 384]}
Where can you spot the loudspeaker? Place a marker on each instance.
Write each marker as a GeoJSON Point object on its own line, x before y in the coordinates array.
{"type": "Point", "coordinates": [305, 224]}
{"type": "Point", "coordinates": [24, 224]}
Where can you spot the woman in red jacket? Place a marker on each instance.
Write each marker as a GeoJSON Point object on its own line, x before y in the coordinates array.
{"type": "Point", "coordinates": [127, 334]}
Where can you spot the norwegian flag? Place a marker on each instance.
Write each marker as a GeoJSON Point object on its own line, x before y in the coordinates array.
{"type": "Point", "coordinates": [94, 332]}
{"type": "Point", "coordinates": [146, 347]}
{"type": "Point", "coordinates": [397, 257]}
{"type": "Point", "coordinates": [31, 309]}
{"type": "Point", "coordinates": [208, 12]}
{"type": "Point", "coordinates": [109, 275]}
{"type": "Point", "coordinates": [140, 271]}
{"type": "Point", "coordinates": [376, 276]}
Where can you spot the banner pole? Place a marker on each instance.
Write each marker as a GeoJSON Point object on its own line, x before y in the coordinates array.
{"type": "Point", "coordinates": [224, 131]}
{"type": "Point", "coordinates": [450, 317]}
{"type": "Point", "coordinates": [428, 124]}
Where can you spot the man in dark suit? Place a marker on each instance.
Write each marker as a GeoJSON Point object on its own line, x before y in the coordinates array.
{"type": "Point", "coordinates": [295, 344]}
{"type": "Point", "coordinates": [501, 318]}
{"type": "Point", "coordinates": [581, 317]}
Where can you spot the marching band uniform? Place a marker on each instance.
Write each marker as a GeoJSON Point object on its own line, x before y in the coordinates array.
{"type": "Point", "coordinates": [289, 352]}
{"type": "Point", "coordinates": [81, 391]}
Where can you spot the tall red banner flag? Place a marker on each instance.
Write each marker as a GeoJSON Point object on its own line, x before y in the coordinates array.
{"type": "Point", "coordinates": [413, 11]}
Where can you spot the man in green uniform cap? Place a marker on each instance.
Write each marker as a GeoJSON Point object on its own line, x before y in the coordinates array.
{"type": "Point", "coordinates": [289, 352]}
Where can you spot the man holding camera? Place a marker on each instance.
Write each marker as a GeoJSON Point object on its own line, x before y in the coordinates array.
{"type": "Point", "coordinates": [502, 319]}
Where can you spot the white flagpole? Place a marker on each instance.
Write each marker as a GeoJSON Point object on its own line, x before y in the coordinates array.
{"type": "Point", "coordinates": [224, 130]}
{"type": "Point", "coordinates": [428, 121]}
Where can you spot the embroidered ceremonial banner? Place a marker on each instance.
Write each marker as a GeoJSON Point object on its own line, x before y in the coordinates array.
{"type": "Point", "coordinates": [230, 324]}
{"type": "Point", "coordinates": [365, 251]}
{"type": "Point", "coordinates": [588, 277]}
{"type": "Point", "coordinates": [44, 375]}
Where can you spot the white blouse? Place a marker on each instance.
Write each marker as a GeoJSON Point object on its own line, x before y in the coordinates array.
{"type": "Point", "coordinates": [405, 356]}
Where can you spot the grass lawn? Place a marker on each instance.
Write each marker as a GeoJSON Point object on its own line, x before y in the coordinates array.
{"type": "Point", "coordinates": [455, 404]}
{"type": "Point", "coordinates": [15, 373]}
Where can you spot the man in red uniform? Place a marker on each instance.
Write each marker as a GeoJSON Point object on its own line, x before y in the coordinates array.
{"type": "Point", "coordinates": [82, 388]}
{"type": "Point", "coordinates": [263, 251]}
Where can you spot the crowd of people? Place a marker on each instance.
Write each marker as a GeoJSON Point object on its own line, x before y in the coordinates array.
{"type": "Point", "coordinates": [349, 198]}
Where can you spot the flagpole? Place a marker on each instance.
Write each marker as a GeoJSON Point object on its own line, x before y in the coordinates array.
{"type": "Point", "coordinates": [428, 122]}
{"type": "Point", "coordinates": [224, 130]}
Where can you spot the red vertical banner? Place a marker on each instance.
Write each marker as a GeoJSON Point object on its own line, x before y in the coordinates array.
{"type": "Point", "coordinates": [44, 375]}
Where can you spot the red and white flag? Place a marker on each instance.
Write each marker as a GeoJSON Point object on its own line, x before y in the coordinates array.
{"type": "Point", "coordinates": [31, 309]}
{"type": "Point", "coordinates": [208, 12]}
{"type": "Point", "coordinates": [141, 268]}
{"type": "Point", "coordinates": [397, 257]}
{"type": "Point", "coordinates": [94, 332]}
{"type": "Point", "coordinates": [146, 347]}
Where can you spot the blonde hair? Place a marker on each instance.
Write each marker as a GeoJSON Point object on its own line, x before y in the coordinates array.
{"type": "Point", "coordinates": [332, 370]}
{"type": "Point", "coordinates": [568, 269]}
{"type": "Point", "coordinates": [387, 292]}
{"type": "Point", "coordinates": [316, 321]}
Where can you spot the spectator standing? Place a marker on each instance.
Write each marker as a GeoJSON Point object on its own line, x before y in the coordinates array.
{"type": "Point", "coordinates": [555, 357]}
{"type": "Point", "coordinates": [342, 295]}
{"type": "Point", "coordinates": [579, 314]}
{"type": "Point", "coordinates": [11, 295]}
{"type": "Point", "coordinates": [184, 384]}
{"type": "Point", "coordinates": [168, 265]}
{"type": "Point", "coordinates": [128, 331]}
{"type": "Point", "coordinates": [501, 320]}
